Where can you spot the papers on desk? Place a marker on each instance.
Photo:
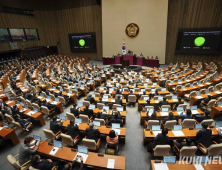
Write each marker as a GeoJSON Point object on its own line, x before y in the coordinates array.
{"type": "Point", "coordinates": [68, 94]}
{"type": "Point", "coordinates": [110, 163]}
{"type": "Point", "coordinates": [1, 95]}
{"type": "Point", "coordinates": [113, 100]}
{"type": "Point", "coordinates": [156, 132]}
{"type": "Point", "coordinates": [54, 102]}
{"type": "Point", "coordinates": [161, 166]}
{"type": "Point", "coordinates": [39, 97]}
{"type": "Point", "coordinates": [104, 100]}
{"type": "Point", "coordinates": [201, 85]}
{"type": "Point", "coordinates": [178, 133]}
{"type": "Point", "coordinates": [1, 128]}
{"type": "Point", "coordinates": [53, 151]}
{"type": "Point", "coordinates": [8, 102]}
{"type": "Point", "coordinates": [208, 83]}
{"type": "Point", "coordinates": [140, 92]}
{"type": "Point", "coordinates": [164, 113]}
{"type": "Point", "coordinates": [194, 111]}
{"type": "Point", "coordinates": [188, 80]}
{"type": "Point", "coordinates": [84, 156]}
{"type": "Point", "coordinates": [23, 110]}
{"type": "Point", "coordinates": [175, 100]}
{"type": "Point", "coordinates": [199, 97]}
{"type": "Point", "coordinates": [198, 167]}
{"type": "Point", "coordinates": [117, 131]}
{"type": "Point", "coordinates": [30, 113]}
{"type": "Point", "coordinates": [156, 101]}
{"type": "Point", "coordinates": [48, 100]}
{"type": "Point", "coordinates": [218, 92]}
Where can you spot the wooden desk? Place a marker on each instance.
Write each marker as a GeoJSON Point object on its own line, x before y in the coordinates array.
{"type": "Point", "coordinates": [185, 166]}
{"type": "Point", "coordinates": [148, 137]}
{"type": "Point", "coordinates": [104, 131]}
{"type": "Point", "coordinates": [9, 134]}
{"type": "Point", "coordinates": [215, 111]}
{"type": "Point", "coordinates": [93, 160]}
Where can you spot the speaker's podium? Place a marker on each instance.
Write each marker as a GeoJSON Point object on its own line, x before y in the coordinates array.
{"type": "Point", "coordinates": [125, 63]}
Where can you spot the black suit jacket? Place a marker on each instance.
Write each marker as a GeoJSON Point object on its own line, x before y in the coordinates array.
{"type": "Point", "coordinates": [88, 112]}
{"type": "Point", "coordinates": [160, 140]}
{"type": "Point", "coordinates": [92, 134]}
{"type": "Point", "coordinates": [204, 137]}
{"type": "Point", "coordinates": [74, 111]}
{"type": "Point", "coordinates": [114, 120]}
{"type": "Point", "coordinates": [168, 118]}
{"type": "Point", "coordinates": [43, 165]}
{"type": "Point", "coordinates": [73, 130]}
{"type": "Point", "coordinates": [118, 101]}
{"type": "Point", "coordinates": [55, 127]}
{"type": "Point", "coordinates": [163, 103]}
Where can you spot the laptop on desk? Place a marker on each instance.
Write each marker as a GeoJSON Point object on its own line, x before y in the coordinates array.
{"type": "Point", "coordinates": [78, 121]}
{"type": "Point", "coordinates": [92, 106]}
{"type": "Point", "coordinates": [80, 104]}
{"type": "Point", "coordinates": [97, 123]}
{"type": "Point", "coordinates": [177, 127]}
{"type": "Point", "coordinates": [169, 159]}
{"type": "Point", "coordinates": [62, 117]}
{"type": "Point", "coordinates": [37, 139]}
{"type": "Point", "coordinates": [106, 108]}
{"type": "Point", "coordinates": [198, 126]}
{"type": "Point", "coordinates": [156, 127]}
{"type": "Point", "coordinates": [179, 110]}
{"type": "Point", "coordinates": [194, 110]}
{"type": "Point", "coordinates": [116, 128]}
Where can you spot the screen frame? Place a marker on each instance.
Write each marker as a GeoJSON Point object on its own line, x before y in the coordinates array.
{"type": "Point", "coordinates": [9, 40]}
{"type": "Point", "coordinates": [179, 41]}
{"type": "Point", "coordinates": [18, 29]}
{"type": "Point", "coordinates": [82, 50]}
{"type": "Point", "coordinates": [36, 32]}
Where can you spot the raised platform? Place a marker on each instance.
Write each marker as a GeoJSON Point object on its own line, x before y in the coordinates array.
{"type": "Point", "coordinates": [120, 68]}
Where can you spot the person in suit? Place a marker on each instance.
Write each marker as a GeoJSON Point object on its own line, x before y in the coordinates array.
{"type": "Point", "coordinates": [205, 101]}
{"type": "Point", "coordinates": [115, 119]}
{"type": "Point", "coordinates": [178, 103]}
{"type": "Point", "coordinates": [99, 115]}
{"type": "Point", "coordinates": [73, 129]}
{"type": "Point", "coordinates": [188, 115]}
{"type": "Point", "coordinates": [42, 164]}
{"type": "Point", "coordinates": [118, 100]}
{"type": "Point", "coordinates": [160, 139]}
{"type": "Point", "coordinates": [204, 136]}
{"type": "Point", "coordinates": [164, 102]}
{"type": "Point", "coordinates": [204, 117]}
{"type": "Point", "coordinates": [75, 110]}
{"type": "Point", "coordinates": [88, 112]}
{"type": "Point", "coordinates": [73, 165]}
{"type": "Point", "coordinates": [170, 117]}
{"type": "Point", "coordinates": [25, 152]}
{"type": "Point", "coordinates": [92, 133]}
{"type": "Point", "coordinates": [54, 125]}
{"type": "Point", "coordinates": [180, 143]}
{"type": "Point", "coordinates": [25, 123]}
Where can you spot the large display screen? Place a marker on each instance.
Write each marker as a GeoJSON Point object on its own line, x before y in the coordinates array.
{"type": "Point", "coordinates": [82, 42]}
{"type": "Point", "coordinates": [4, 35]}
{"type": "Point", "coordinates": [199, 41]}
{"type": "Point", "coordinates": [31, 34]}
{"type": "Point", "coordinates": [17, 34]}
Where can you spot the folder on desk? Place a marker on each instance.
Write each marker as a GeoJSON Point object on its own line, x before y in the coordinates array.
{"type": "Point", "coordinates": [178, 133]}
{"type": "Point", "coordinates": [161, 166]}
{"type": "Point", "coordinates": [110, 163]}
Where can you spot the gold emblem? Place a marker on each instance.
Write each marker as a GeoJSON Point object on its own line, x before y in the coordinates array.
{"type": "Point", "coordinates": [132, 30]}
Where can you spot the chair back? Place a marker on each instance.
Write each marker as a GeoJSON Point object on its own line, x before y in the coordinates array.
{"type": "Point", "coordinates": [183, 105]}
{"type": "Point", "coordinates": [211, 103]}
{"type": "Point", "coordinates": [90, 143]}
{"type": "Point", "coordinates": [13, 162]}
{"type": "Point", "coordinates": [166, 106]}
{"type": "Point", "coordinates": [86, 103]}
{"type": "Point", "coordinates": [170, 123]}
{"type": "Point", "coordinates": [152, 122]}
{"type": "Point", "coordinates": [85, 118]}
{"type": "Point", "coordinates": [61, 99]}
{"type": "Point", "coordinates": [100, 105]}
{"type": "Point", "coordinates": [208, 122]}
{"type": "Point", "coordinates": [9, 118]}
{"type": "Point", "coordinates": [131, 98]}
{"type": "Point", "coordinates": [45, 110]}
{"type": "Point", "coordinates": [49, 134]}
{"type": "Point", "coordinates": [116, 105]}
{"type": "Point", "coordinates": [189, 123]}
{"type": "Point", "coordinates": [102, 121]}
{"type": "Point", "coordinates": [67, 139]}
{"type": "Point", "coordinates": [162, 150]}
{"type": "Point", "coordinates": [215, 149]}
{"type": "Point", "coordinates": [17, 125]}
{"type": "Point", "coordinates": [70, 116]}
{"type": "Point", "coordinates": [36, 106]}
{"type": "Point", "coordinates": [188, 151]}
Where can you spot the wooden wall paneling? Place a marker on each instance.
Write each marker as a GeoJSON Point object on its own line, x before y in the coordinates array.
{"type": "Point", "coordinates": [191, 14]}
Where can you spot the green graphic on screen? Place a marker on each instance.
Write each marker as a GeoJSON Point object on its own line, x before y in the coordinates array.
{"type": "Point", "coordinates": [199, 41]}
{"type": "Point", "coordinates": [81, 42]}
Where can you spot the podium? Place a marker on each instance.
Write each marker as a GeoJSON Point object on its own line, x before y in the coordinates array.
{"type": "Point", "coordinates": [125, 63]}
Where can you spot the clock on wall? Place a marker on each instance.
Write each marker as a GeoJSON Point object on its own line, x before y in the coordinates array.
{"type": "Point", "coordinates": [14, 45]}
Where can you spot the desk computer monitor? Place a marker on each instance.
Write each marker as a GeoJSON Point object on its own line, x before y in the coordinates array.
{"type": "Point", "coordinates": [177, 127]}
{"type": "Point", "coordinates": [207, 91]}
{"type": "Point", "coordinates": [220, 103]}
{"type": "Point", "coordinates": [120, 109]}
{"type": "Point", "coordinates": [105, 96]}
{"type": "Point", "coordinates": [26, 106]}
{"type": "Point", "coordinates": [193, 107]}
{"type": "Point", "coordinates": [160, 98]}
{"type": "Point", "coordinates": [145, 98]}
{"type": "Point", "coordinates": [169, 159]}
{"type": "Point", "coordinates": [153, 90]}
{"type": "Point", "coordinates": [154, 84]}
{"type": "Point", "coordinates": [143, 90]}
{"type": "Point", "coordinates": [163, 89]}
{"type": "Point", "coordinates": [82, 149]}
{"type": "Point", "coordinates": [97, 123]}
{"type": "Point", "coordinates": [115, 126]}
{"type": "Point", "coordinates": [48, 97]}
{"type": "Point", "coordinates": [57, 144]}
{"type": "Point", "coordinates": [61, 89]}
{"type": "Point", "coordinates": [54, 87]}
{"type": "Point", "coordinates": [174, 97]}
{"type": "Point", "coordinates": [41, 94]}
{"type": "Point", "coordinates": [57, 99]}
{"type": "Point", "coordinates": [70, 91]}
{"type": "Point", "coordinates": [62, 117]}
{"type": "Point", "coordinates": [80, 104]}
{"type": "Point", "coordinates": [179, 109]}
{"type": "Point", "coordinates": [198, 126]}
{"type": "Point", "coordinates": [92, 106]}
{"type": "Point", "coordinates": [165, 109]}
{"type": "Point", "coordinates": [215, 88]}
{"type": "Point", "coordinates": [150, 110]}
{"type": "Point", "coordinates": [218, 124]}
{"type": "Point", "coordinates": [183, 87]}
{"type": "Point", "coordinates": [155, 127]}
{"type": "Point", "coordinates": [36, 138]}
{"type": "Point", "coordinates": [35, 110]}
{"type": "Point", "coordinates": [198, 93]}
{"type": "Point", "coordinates": [106, 108]}
{"type": "Point", "coordinates": [93, 95]}
{"type": "Point", "coordinates": [78, 120]}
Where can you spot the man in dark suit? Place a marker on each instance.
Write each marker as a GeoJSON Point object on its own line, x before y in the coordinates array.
{"type": "Point", "coordinates": [46, 164]}
{"type": "Point", "coordinates": [205, 101]}
{"type": "Point", "coordinates": [170, 117]}
{"type": "Point", "coordinates": [73, 130]}
{"type": "Point", "coordinates": [118, 100]}
{"type": "Point", "coordinates": [204, 117]}
{"type": "Point", "coordinates": [204, 136]}
{"type": "Point", "coordinates": [115, 119]}
{"type": "Point", "coordinates": [54, 125]}
{"type": "Point", "coordinates": [88, 112]}
{"type": "Point", "coordinates": [74, 110]}
{"type": "Point", "coordinates": [164, 102]}
{"type": "Point", "coordinates": [92, 133]}
{"type": "Point", "coordinates": [179, 102]}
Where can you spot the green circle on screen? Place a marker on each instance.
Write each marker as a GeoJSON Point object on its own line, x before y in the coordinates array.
{"type": "Point", "coordinates": [81, 42]}
{"type": "Point", "coordinates": [199, 41]}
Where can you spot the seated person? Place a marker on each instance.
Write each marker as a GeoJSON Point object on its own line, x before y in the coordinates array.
{"type": "Point", "coordinates": [188, 115]}
{"type": "Point", "coordinates": [73, 129]}
{"type": "Point", "coordinates": [88, 112]}
{"type": "Point", "coordinates": [33, 98]}
{"type": "Point", "coordinates": [42, 164]}
{"type": "Point", "coordinates": [74, 165]}
{"type": "Point", "coordinates": [180, 143]}
{"type": "Point", "coordinates": [164, 102]}
{"type": "Point", "coordinates": [160, 139]}
{"type": "Point", "coordinates": [25, 123]}
{"type": "Point", "coordinates": [170, 117]}
{"type": "Point", "coordinates": [204, 136]}
{"type": "Point", "coordinates": [115, 119]}
{"type": "Point", "coordinates": [112, 139]}
{"type": "Point", "coordinates": [92, 133]}
{"type": "Point", "coordinates": [54, 125]}
{"type": "Point", "coordinates": [99, 115]}
{"type": "Point", "coordinates": [118, 100]}
{"type": "Point", "coordinates": [114, 111]}
{"type": "Point", "coordinates": [148, 103]}
{"type": "Point", "coordinates": [75, 110]}
{"type": "Point", "coordinates": [205, 101]}
{"type": "Point", "coordinates": [204, 117]}
{"type": "Point", "coordinates": [178, 103]}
